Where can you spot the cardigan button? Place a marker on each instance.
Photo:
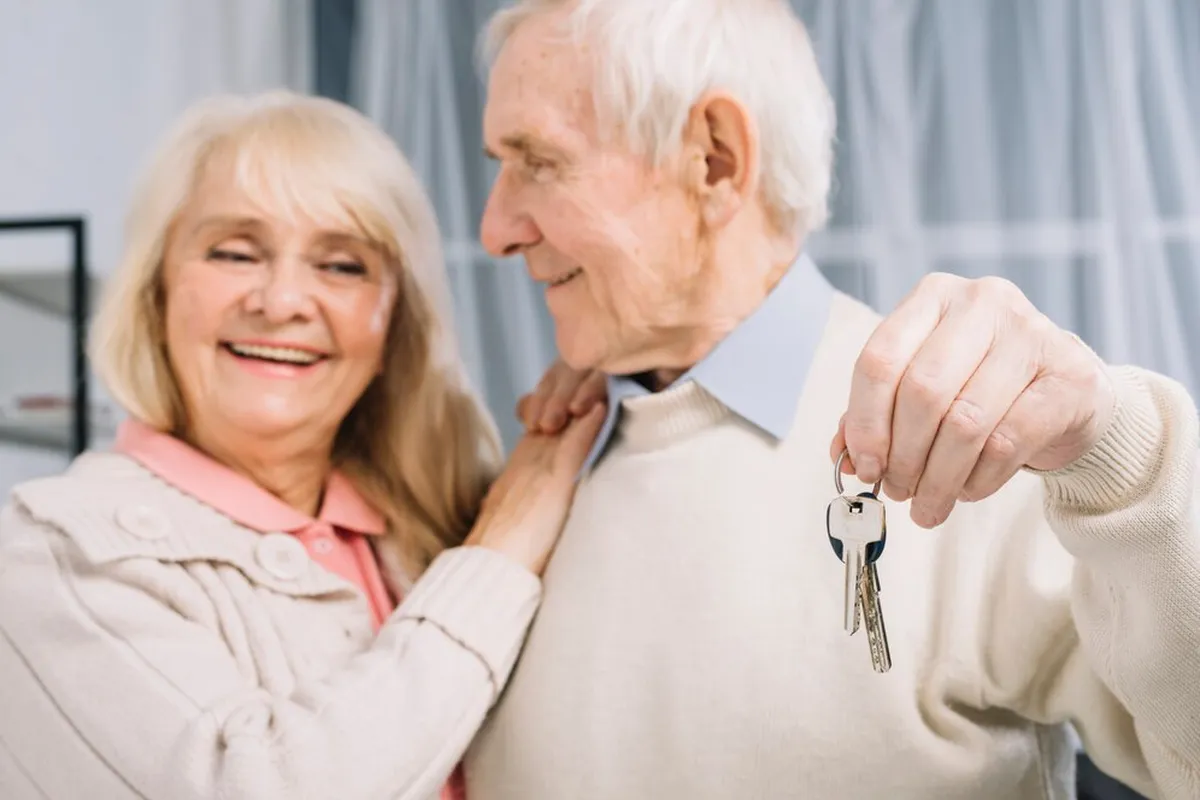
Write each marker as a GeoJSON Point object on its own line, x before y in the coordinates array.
{"type": "Point", "coordinates": [249, 721]}
{"type": "Point", "coordinates": [144, 522]}
{"type": "Point", "coordinates": [282, 556]}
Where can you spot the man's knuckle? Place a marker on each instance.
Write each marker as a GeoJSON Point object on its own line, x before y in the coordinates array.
{"type": "Point", "coordinates": [1001, 446]}
{"type": "Point", "coordinates": [879, 365]}
{"type": "Point", "coordinates": [967, 420]}
{"type": "Point", "coordinates": [924, 387]}
{"type": "Point", "coordinates": [865, 436]}
{"type": "Point", "coordinates": [939, 281]}
{"type": "Point", "coordinates": [994, 286]}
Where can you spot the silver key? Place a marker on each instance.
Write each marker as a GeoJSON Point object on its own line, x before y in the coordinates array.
{"type": "Point", "coordinates": [857, 607]}
{"type": "Point", "coordinates": [856, 522]}
{"type": "Point", "coordinates": [872, 611]}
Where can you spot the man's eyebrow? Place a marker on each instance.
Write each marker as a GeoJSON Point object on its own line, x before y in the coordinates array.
{"type": "Point", "coordinates": [527, 145]}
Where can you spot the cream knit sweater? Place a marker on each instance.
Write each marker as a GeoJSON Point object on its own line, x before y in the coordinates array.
{"type": "Point", "coordinates": [689, 645]}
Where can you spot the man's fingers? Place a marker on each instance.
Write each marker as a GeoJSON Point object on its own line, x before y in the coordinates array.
{"type": "Point", "coordinates": [838, 445]}
{"type": "Point", "coordinates": [933, 380]}
{"type": "Point", "coordinates": [966, 427]}
{"type": "Point", "coordinates": [879, 369]}
{"type": "Point", "coordinates": [1034, 419]}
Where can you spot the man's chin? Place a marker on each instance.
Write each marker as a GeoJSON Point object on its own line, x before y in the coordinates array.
{"type": "Point", "coordinates": [577, 353]}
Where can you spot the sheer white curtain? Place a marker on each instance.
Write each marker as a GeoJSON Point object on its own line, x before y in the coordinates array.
{"type": "Point", "coordinates": [1052, 142]}
{"type": "Point", "coordinates": [415, 75]}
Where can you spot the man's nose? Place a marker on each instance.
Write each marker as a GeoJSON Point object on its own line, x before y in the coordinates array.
{"type": "Point", "coordinates": [506, 230]}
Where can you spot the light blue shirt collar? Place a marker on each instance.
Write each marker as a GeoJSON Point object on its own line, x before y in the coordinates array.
{"type": "Point", "coordinates": [757, 371]}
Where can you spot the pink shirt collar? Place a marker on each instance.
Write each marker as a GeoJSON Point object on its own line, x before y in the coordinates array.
{"type": "Point", "coordinates": [235, 495]}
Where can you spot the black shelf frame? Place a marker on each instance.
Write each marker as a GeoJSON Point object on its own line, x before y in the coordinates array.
{"type": "Point", "coordinates": [76, 228]}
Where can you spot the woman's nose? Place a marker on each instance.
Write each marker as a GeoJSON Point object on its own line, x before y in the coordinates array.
{"type": "Point", "coordinates": [286, 291]}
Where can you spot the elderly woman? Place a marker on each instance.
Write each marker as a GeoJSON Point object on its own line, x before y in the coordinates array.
{"type": "Point", "coordinates": [286, 581]}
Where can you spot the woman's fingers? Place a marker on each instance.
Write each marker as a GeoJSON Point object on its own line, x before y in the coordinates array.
{"type": "Point", "coordinates": [529, 407]}
{"type": "Point", "coordinates": [561, 394]}
{"type": "Point", "coordinates": [577, 440]}
{"type": "Point", "coordinates": [523, 409]}
{"type": "Point", "coordinates": [555, 412]}
{"type": "Point", "coordinates": [593, 388]}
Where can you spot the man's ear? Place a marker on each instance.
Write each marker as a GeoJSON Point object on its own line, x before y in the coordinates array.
{"type": "Point", "coordinates": [720, 143]}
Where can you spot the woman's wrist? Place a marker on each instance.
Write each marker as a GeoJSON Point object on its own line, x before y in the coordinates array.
{"type": "Point", "coordinates": [500, 539]}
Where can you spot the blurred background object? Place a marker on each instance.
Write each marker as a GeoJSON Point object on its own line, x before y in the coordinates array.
{"type": "Point", "coordinates": [1051, 142]}
{"type": "Point", "coordinates": [85, 89]}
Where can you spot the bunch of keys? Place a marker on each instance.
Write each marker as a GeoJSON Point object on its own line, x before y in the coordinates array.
{"type": "Point", "coordinates": [857, 528]}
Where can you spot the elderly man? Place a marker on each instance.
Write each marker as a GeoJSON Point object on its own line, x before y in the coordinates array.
{"type": "Point", "coordinates": [660, 166]}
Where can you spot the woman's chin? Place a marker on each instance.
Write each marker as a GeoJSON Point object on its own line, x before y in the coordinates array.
{"type": "Point", "coordinates": [264, 426]}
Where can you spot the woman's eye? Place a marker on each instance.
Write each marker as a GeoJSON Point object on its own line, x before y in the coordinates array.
{"type": "Point", "coordinates": [236, 256]}
{"type": "Point", "coordinates": [345, 267]}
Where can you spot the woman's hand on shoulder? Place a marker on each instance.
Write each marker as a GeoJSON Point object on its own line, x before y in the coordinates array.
{"type": "Point", "coordinates": [561, 394]}
{"type": "Point", "coordinates": [525, 509]}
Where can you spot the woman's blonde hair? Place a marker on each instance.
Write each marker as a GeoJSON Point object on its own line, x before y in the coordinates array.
{"type": "Point", "coordinates": [418, 444]}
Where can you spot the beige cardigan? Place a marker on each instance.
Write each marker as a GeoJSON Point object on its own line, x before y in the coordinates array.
{"type": "Point", "coordinates": [152, 648]}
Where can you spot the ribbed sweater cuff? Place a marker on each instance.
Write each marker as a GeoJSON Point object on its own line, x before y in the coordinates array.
{"type": "Point", "coordinates": [1123, 465]}
{"type": "Point", "coordinates": [481, 599]}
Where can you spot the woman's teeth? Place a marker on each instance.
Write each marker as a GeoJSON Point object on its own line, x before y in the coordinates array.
{"type": "Point", "coordinates": [285, 355]}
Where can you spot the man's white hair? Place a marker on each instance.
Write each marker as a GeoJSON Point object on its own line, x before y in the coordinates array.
{"type": "Point", "coordinates": [653, 59]}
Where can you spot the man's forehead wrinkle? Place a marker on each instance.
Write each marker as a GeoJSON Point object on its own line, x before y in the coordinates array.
{"type": "Point", "coordinates": [537, 116]}
{"type": "Point", "coordinates": [541, 89]}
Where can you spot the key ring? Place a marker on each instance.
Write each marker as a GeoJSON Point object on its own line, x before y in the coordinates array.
{"type": "Point", "coordinates": [837, 475]}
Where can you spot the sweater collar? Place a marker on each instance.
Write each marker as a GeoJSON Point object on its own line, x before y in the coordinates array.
{"type": "Point", "coordinates": [758, 370]}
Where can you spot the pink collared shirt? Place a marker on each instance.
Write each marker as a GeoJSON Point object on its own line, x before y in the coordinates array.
{"type": "Point", "coordinates": [336, 539]}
